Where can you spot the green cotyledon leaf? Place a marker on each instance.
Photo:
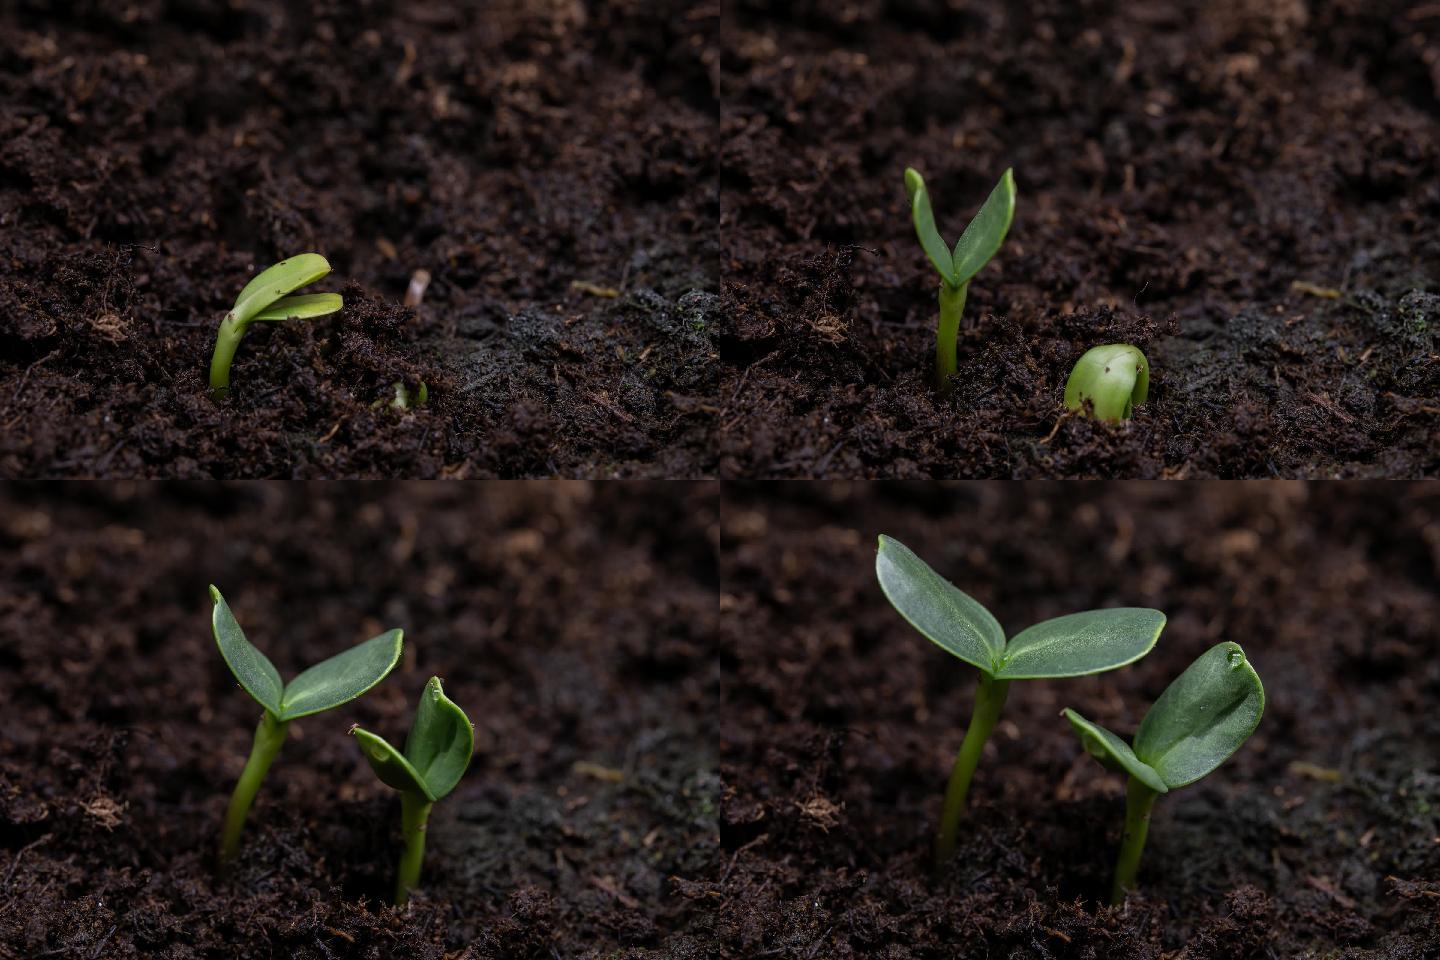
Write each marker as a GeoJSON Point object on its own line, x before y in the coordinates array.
{"type": "Point", "coordinates": [251, 667]}
{"type": "Point", "coordinates": [306, 306]}
{"type": "Point", "coordinates": [1081, 643]}
{"type": "Point", "coordinates": [1113, 752]}
{"type": "Point", "coordinates": [984, 234]}
{"type": "Point", "coordinates": [936, 249]}
{"type": "Point", "coordinates": [946, 616]}
{"type": "Point", "coordinates": [441, 740]}
{"type": "Point", "coordinates": [343, 677]}
{"type": "Point", "coordinates": [390, 765]}
{"type": "Point", "coordinates": [274, 282]}
{"type": "Point", "coordinates": [1203, 717]}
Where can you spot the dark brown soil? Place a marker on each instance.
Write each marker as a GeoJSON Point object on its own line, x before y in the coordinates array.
{"type": "Point", "coordinates": [551, 163]}
{"type": "Point", "coordinates": [575, 624]}
{"type": "Point", "coordinates": [1319, 838]}
{"type": "Point", "coordinates": [1185, 170]}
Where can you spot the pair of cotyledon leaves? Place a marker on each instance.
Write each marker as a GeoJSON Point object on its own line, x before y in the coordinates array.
{"type": "Point", "coordinates": [263, 298]}
{"type": "Point", "coordinates": [441, 738]}
{"type": "Point", "coordinates": [982, 237]}
{"type": "Point", "coordinates": [1200, 720]}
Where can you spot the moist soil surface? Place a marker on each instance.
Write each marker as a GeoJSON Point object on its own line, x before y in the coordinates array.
{"type": "Point", "coordinates": [574, 624]}
{"type": "Point", "coordinates": [549, 164]}
{"type": "Point", "coordinates": [1319, 838]}
{"type": "Point", "coordinates": [1248, 190]}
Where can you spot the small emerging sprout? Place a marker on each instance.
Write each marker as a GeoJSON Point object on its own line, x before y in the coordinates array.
{"type": "Point", "coordinates": [1074, 645]}
{"type": "Point", "coordinates": [326, 685]}
{"type": "Point", "coordinates": [437, 751]}
{"type": "Point", "coordinates": [1113, 378]}
{"type": "Point", "coordinates": [404, 399]}
{"type": "Point", "coordinates": [972, 251]}
{"type": "Point", "coordinates": [1199, 721]}
{"type": "Point", "coordinates": [263, 299]}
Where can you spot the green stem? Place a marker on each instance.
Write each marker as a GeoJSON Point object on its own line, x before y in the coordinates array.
{"type": "Point", "coordinates": [226, 343]}
{"type": "Point", "coordinates": [414, 813]}
{"type": "Point", "coordinates": [989, 700]}
{"type": "Point", "coordinates": [269, 735]}
{"type": "Point", "coordinates": [952, 304]}
{"type": "Point", "coordinates": [1138, 801]}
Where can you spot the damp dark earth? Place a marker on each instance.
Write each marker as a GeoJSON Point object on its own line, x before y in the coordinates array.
{"type": "Point", "coordinates": [1248, 190]}
{"type": "Point", "coordinates": [575, 624]}
{"type": "Point", "coordinates": [1319, 838]}
{"type": "Point", "coordinates": [548, 165]}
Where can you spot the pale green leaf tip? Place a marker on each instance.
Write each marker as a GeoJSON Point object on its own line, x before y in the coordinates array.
{"type": "Point", "coordinates": [914, 183]}
{"type": "Point", "coordinates": [215, 593]}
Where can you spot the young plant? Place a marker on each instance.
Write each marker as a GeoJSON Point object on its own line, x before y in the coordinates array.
{"type": "Point", "coordinates": [972, 251]}
{"type": "Point", "coordinates": [1113, 378]}
{"type": "Point", "coordinates": [437, 751]}
{"type": "Point", "coordinates": [1199, 721]}
{"type": "Point", "coordinates": [263, 299]}
{"type": "Point", "coordinates": [326, 685]}
{"type": "Point", "coordinates": [1070, 646]}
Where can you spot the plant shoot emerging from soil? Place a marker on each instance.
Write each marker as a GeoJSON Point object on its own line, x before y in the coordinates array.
{"type": "Point", "coordinates": [1114, 378]}
{"type": "Point", "coordinates": [1070, 646]}
{"type": "Point", "coordinates": [263, 299]}
{"type": "Point", "coordinates": [972, 251]}
{"type": "Point", "coordinates": [436, 754]}
{"type": "Point", "coordinates": [1199, 721]}
{"type": "Point", "coordinates": [326, 685]}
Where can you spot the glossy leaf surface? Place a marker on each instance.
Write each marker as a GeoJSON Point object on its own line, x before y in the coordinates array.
{"type": "Point", "coordinates": [936, 249]}
{"type": "Point", "coordinates": [273, 283]}
{"type": "Point", "coordinates": [1081, 643]}
{"type": "Point", "coordinates": [1113, 752]}
{"type": "Point", "coordinates": [984, 234]}
{"type": "Point", "coordinates": [1203, 717]}
{"type": "Point", "coordinates": [945, 615]}
{"type": "Point", "coordinates": [1114, 378]}
{"type": "Point", "coordinates": [437, 751]}
{"type": "Point", "coordinates": [390, 764]}
{"type": "Point", "coordinates": [343, 677]}
{"type": "Point", "coordinates": [306, 306]}
{"type": "Point", "coordinates": [251, 667]}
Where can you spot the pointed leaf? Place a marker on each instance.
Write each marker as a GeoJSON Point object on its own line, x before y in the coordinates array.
{"type": "Point", "coordinates": [441, 740]}
{"type": "Point", "coordinates": [946, 616]}
{"type": "Point", "coordinates": [1114, 753]}
{"type": "Point", "coordinates": [924, 218]}
{"type": "Point", "coordinates": [987, 231]}
{"type": "Point", "coordinates": [1081, 643]}
{"type": "Point", "coordinates": [251, 667]}
{"type": "Point", "coordinates": [306, 306]}
{"type": "Point", "coordinates": [392, 768]}
{"type": "Point", "coordinates": [1202, 717]}
{"type": "Point", "coordinates": [343, 677]}
{"type": "Point", "coordinates": [273, 283]}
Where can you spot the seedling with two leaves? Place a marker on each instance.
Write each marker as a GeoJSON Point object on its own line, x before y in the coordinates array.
{"type": "Point", "coordinates": [328, 684]}
{"type": "Point", "coordinates": [264, 299]}
{"type": "Point", "coordinates": [437, 752]}
{"type": "Point", "coordinates": [982, 237]}
{"type": "Point", "coordinates": [1070, 646]}
{"type": "Point", "coordinates": [1200, 720]}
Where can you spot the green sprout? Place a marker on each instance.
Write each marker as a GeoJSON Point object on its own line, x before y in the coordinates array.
{"type": "Point", "coordinates": [437, 751]}
{"type": "Point", "coordinates": [1070, 646]}
{"type": "Point", "coordinates": [1199, 721]}
{"type": "Point", "coordinates": [972, 251]}
{"type": "Point", "coordinates": [1113, 378]}
{"type": "Point", "coordinates": [326, 685]}
{"type": "Point", "coordinates": [263, 299]}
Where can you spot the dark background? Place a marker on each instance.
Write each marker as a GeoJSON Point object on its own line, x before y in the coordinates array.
{"type": "Point", "coordinates": [1320, 837]}
{"type": "Point", "coordinates": [574, 624]}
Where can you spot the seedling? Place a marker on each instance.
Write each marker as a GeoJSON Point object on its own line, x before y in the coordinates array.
{"type": "Point", "coordinates": [326, 685]}
{"type": "Point", "coordinates": [1113, 378]}
{"type": "Point", "coordinates": [1070, 646]}
{"type": "Point", "coordinates": [263, 299]}
{"type": "Point", "coordinates": [436, 755]}
{"type": "Point", "coordinates": [972, 251]}
{"type": "Point", "coordinates": [1199, 721]}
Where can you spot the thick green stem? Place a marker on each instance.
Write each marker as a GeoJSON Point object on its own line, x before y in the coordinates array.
{"type": "Point", "coordinates": [1138, 801]}
{"type": "Point", "coordinates": [414, 814]}
{"type": "Point", "coordinates": [989, 700]}
{"type": "Point", "coordinates": [269, 735]}
{"type": "Point", "coordinates": [952, 304]}
{"type": "Point", "coordinates": [226, 343]}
